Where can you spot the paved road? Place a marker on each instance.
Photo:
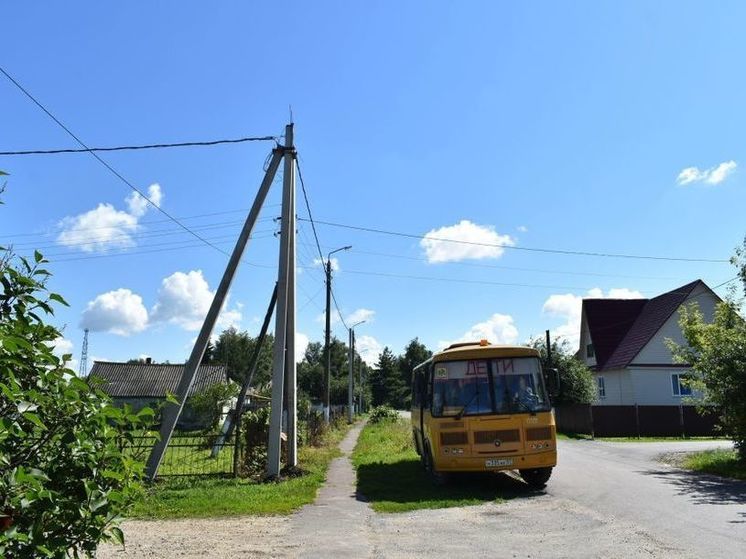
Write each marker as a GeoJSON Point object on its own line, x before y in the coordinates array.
{"type": "Point", "coordinates": [701, 514]}
{"type": "Point", "coordinates": [604, 500]}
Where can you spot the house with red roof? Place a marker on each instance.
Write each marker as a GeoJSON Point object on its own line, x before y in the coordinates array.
{"type": "Point", "coordinates": [623, 341]}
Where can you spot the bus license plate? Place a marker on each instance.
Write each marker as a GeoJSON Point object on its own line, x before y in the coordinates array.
{"type": "Point", "coordinates": [497, 462]}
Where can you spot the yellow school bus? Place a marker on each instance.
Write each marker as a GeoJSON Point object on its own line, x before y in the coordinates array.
{"type": "Point", "coordinates": [479, 407]}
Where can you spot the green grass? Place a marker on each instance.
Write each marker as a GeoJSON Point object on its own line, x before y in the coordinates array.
{"type": "Point", "coordinates": [390, 477]}
{"type": "Point", "coordinates": [720, 462]}
{"type": "Point", "coordinates": [193, 497]}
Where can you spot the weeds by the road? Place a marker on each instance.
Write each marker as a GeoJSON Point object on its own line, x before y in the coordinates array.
{"type": "Point", "coordinates": [192, 497]}
{"type": "Point", "coordinates": [586, 437]}
{"type": "Point", "coordinates": [720, 462]}
{"type": "Point", "coordinates": [390, 477]}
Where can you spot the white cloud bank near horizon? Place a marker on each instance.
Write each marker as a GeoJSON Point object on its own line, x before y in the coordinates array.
{"type": "Point", "coordinates": [183, 300]}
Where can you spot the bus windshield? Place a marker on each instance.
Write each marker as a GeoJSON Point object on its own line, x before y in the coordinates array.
{"type": "Point", "coordinates": [488, 386]}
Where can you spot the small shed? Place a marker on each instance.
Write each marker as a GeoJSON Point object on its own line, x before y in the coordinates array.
{"type": "Point", "coordinates": [144, 384]}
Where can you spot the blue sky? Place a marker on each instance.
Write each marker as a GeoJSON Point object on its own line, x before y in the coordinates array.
{"type": "Point", "coordinates": [573, 126]}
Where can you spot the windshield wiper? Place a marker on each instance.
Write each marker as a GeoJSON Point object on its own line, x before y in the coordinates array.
{"type": "Point", "coordinates": [460, 414]}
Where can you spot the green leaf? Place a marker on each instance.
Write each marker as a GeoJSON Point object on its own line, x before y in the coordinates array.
{"type": "Point", "coordinates": [38, 256]}
{"type": "Point", "coordinates": [117, 535]}
{"type": "Point", "coordinates": [58, 298]}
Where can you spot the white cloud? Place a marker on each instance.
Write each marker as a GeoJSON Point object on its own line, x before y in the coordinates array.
{"type": "Point", "coordinates": [522, 228]}
{"type": "Point", "coordinates": [185, 298]}
{"type": "Point", "coordinates": [61, 345]}
{"type": "Point", "coordinates": [713, 175]}
{"type": "Point", "coordinates": [497, 329]}
{"type": "Point", "coordinates": [301, 343]}
{"type": "Point", "coordinates": [138, 205]}
{"type": "Point", "coordinates": [106, 227]}
{"type": "Point", "coordinates": [98, 229]}
{"type": "Point", "coordinates": [334, 262]}
{"type": "Point", "coordinates": [368, 348]}
{"type": "Point", "coordinates": [488, 243]}
{"type": "Point", "coordinates": [360, 315]}
{"type": "Point", "coordinates": [570, 307]}
{"type": "Point", "coordinates": [120, 312]}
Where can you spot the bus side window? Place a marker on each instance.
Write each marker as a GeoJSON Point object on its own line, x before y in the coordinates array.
{"type": "Point", "coordinates": [428, 386]}
{"type": "Point", "coordinates": [417, 389]}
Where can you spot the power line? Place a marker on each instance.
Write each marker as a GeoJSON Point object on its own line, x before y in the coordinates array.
{"type": "Point", "coordinates": [147, 222]}
{"type": "Point", "coordinates": [519, 269]}
{"type": "Point", "coordinates": [511, 247]}
{"type": "Point", "coordinates": [315, 235]}
{"type": "Point", "coordinates": [144, 146]}
{"type": "Point", "coordinates": [105, 164]}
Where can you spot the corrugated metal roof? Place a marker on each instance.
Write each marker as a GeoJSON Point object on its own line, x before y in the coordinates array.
{"type": "Point", "coordinates": [651, 318]}
{"type": "Point", "coordinates": [608, 321]}
{"type": "Point", "coordinates": [138, 380]}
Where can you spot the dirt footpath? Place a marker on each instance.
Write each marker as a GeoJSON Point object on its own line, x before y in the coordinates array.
{"type": "Point", "coordinates": [339, 524]}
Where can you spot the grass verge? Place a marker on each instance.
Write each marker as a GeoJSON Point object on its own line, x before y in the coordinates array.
{"type": "Point", "coordinates": [192, 497]}
{"type": "Point", "coordinates": [720, 462]}
{"type": "Point", "coordinates": [390, 477]}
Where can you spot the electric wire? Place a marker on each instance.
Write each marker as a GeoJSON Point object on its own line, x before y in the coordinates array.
{"type": "Point", "coordinates": [529, 249]}
{"type": "Point", "coordinates": [144, 146]}
{"type": "Point", "coordinates": [105, 164]}
{"type": "Point", "coordinates": [315, 235]}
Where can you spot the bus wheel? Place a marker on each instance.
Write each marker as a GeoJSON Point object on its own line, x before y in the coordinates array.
{"type": "Point", "coordinates": [536, 477]}
{"type": "Point", "coordinates": [437, 478]}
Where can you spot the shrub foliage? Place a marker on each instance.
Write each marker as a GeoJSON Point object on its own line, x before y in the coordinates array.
{"type": "Point", "coordinates": [67, 471]}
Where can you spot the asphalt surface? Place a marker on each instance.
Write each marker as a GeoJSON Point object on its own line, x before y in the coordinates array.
{"type": "Point", "coordinates": [604, 500]}
{"type": "Point", "coordinates": [700, 514]}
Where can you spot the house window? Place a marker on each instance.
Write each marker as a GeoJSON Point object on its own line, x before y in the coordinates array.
{"type": "Point", "coordinates": [589, 351]}
{"type": "Point", "coordinates": [601, 384]}
{"type": "Point", "coordinates": [679, 388]}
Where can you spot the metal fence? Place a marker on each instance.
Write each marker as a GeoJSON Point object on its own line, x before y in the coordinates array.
{"type": "Point", "coordinates": [193, 453]}
{"type": "Point", "coordinates": [635, 421]}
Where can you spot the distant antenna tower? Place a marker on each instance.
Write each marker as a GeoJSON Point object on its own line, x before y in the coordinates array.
{"type": "Point", "coordinates": [84, 355]}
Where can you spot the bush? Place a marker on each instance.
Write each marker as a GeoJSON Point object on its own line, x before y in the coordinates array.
{"type": "Point", "coordinates": [381, 414]}
{"type": "Point", "coordinates": [67, 471]}
{"type": "Point", "coordinates": [255, 433]}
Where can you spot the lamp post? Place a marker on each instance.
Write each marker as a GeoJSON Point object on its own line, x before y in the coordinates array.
{"type": "Point", "coordinates": [327, 372]}
{"type": "Point", "coordinates": [351, 360]}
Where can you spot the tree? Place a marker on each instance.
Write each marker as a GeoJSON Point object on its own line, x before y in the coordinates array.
{"type": "Point", "coordinates": [415, 353]}
{"type": "Point", "coordinates": [385, 381]}
{"type": "Point", "coordinates": [67, 470]}
{"type": "Point", "coordinates": [234, 349]}
{"type": "Point", "coordinates": [716, 352]}
{"type": "Point", "coordinates": [208, 403]}
{"type": "Point", "coordinates": [576, 380]}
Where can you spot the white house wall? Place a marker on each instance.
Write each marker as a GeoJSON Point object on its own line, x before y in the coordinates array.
{"type": "Point", "coordinates": [656, 351]}
{"type": "Point", "coordinates": [653, 387]}
{"type": "Point", "coordinates": [618, 388]}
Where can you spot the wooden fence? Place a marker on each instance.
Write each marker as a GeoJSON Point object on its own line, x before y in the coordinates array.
{"type": "Point", "coordinates": [635, 421]}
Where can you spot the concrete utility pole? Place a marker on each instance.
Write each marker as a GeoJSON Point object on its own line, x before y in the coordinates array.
{"type": "Point", "coordinates": [285, 315]}
{"type": "Point", "coordinates": [350, 384]}
{"type": "Point", "coordinates": [172, 412]}
{"type": "Point", "coordinates": [327, 336]}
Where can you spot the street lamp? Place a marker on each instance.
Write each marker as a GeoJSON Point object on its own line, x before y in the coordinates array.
{"type": "Point", "coordinates": [352, 368]}
{"type": "Point", "coordinates": [327, 372]}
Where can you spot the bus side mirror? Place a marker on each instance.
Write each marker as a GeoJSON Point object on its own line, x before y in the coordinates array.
{"type": "Point", "coordinates": [552, 380]}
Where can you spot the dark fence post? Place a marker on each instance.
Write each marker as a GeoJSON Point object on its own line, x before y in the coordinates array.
{"type": "Point", "coordinates": [590, 416]}
{"type": "Point", "coordinates": [637, 420]}
{"type": "Point", "coordinates": [681, 421]}
{"type": "Point", "coordinates": [237, 443]}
